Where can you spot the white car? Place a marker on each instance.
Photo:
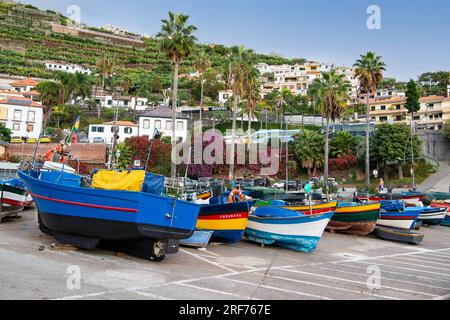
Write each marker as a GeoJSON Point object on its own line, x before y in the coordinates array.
{"type": "Point", "coordinates": [278, 185]}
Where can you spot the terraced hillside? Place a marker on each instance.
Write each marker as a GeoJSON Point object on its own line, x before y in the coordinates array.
{"type": "Point", "coordinates": [27, 40]}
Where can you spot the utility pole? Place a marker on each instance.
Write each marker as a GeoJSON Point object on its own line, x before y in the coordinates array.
{"type": "Point", "coordinates": [412, 152]}
{"type": "Point", "coordinates": [116, 132]}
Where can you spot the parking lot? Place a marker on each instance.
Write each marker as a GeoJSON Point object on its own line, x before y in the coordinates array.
{"type": "Point", "coordinates": [343, 267]}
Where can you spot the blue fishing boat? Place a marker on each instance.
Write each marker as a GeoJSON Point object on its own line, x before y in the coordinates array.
{"type": "Point", "coordinates": [287, 228]}
{"type": "Point", "coordinates": [394, 214]}
{"type": "Point", "coordinates": [432, 216]}
{"type": "Point", "coordinates": [123, 209]}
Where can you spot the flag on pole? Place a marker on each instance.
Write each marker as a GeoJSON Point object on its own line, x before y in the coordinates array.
{"type": "Point", "coordinates": [74, 133]}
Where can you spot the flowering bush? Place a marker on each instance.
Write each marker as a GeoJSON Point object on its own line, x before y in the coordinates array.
{"type": "Point", "coordinates": [343, 163]}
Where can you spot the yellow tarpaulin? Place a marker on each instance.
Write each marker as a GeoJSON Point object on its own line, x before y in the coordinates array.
{"type": "Point", "coordinates": [116, 180]}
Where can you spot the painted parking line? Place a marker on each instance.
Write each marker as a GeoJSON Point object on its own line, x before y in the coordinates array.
{"type": "Point", "coordinates": [385, 278]}
{"type": "Point", "coordinates": [415, 265]}
{"type": "Point", "coordinates": [389, 256]}
{"type": "Point", "coordinates": [425, 261]}
{"type": "Point", "coordinates": [429, 258]}
{"type": "Point", "coordinates": [225, 293]}
{"type": "Point", "coordinates": [437, 254]}
{"type": "Point", "coordinates": [280, 289]}
{"type": "Point", "coordinates": [359, 282]}
{"type": "Point", "coordinates": [329, 287]}
{"type": "Point", "coordinates": [399, 273]}
{"type": "Point", "coordinates": [405, 268]}
{"type": "Point", "coordinates": [151, 295]}
{"type": "Point", "coordinates": [218, 265]}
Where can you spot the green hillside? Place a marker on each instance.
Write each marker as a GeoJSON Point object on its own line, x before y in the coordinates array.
{"type": "Point", "coordinates": [27, 40]}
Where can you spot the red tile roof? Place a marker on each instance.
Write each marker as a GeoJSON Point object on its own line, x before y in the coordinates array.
{"type": "Point", "coordinates": [20, 101]}
{"type": "Point", "coordinates": [24, 83]}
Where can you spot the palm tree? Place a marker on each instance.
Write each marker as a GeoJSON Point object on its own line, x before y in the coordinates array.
{"type": "Point", "coordinates": [202, 64]}
{"type": "Point", "coordinates": [369, 69]}
{"type": "Point", "coordinates": [240, 60]}
{"type": "Point", "coordinates": [105, 67]}
{"type": "Point", "coordinates": [308, 149]}
{"type": "Point", "coordinates": [68, 85]}
{"type": "Point", "coordinates": [253, 95]}
{"type": "Point", "coordinates": [82, 86]}
{"type": "Point", "coordinates": [177, 43]}
{"type": "Point", "coordinates": [332, 96]}
{"type": "Point", "coordinates": [142, 89]}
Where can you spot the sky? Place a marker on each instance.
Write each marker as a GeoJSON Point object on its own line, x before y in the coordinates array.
{"type": "Point", "coordinates": [413, 39]}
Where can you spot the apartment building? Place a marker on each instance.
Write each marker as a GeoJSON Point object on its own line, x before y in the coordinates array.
{"type": "Point", "coordinates": [66, 67]}
{"type": "Point", "coordinates": [23, 116]}
{"type": "Point", "coordinates": [350, 76]}
{"type": "Point", "coordinates": [297, 78]}
{"type": "Point", "coordinates": [434, 112]}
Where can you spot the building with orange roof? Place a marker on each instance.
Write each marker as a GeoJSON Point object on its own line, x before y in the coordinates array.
{"type": "Point", "coordinates": [23, 116]}
{"type": "Point", "coordinates": [24, 85]}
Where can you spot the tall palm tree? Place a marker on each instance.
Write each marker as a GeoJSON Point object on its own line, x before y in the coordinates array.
{"type": "Point", "coordinates": [177, 42]}
{"type": "Point", "coordinates": [308, 149]}
{"type": "Point", "coordinates": [202, 64]}
{"type": "Point", "coordinates": [369, 69]}
{"type": "Point", "coordinates": [240, 60]}
{"type": "Point", "coordinates": [253, 95]}
{"type": "Point", "coordinates": [105, 67]}
{"type": "Point", "coordinates": [144, 88]}
{"type": "Point", "coordinates": [332, 97]}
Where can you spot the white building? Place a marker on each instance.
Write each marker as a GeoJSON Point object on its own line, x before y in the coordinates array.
{"type": "Point", "coordinates": [124, 102]}
{"type": "Point", "coordinates": [106, 131]}
{"type": "Point", "coordinates": [116, 30]}
{"type": "Point", "coordinates": [24, 117]}
{"type": "Point", "coordinates": [24, 85]}
{"type": "Point", "coordinates": [66, 67]}
{"type": "Point", "coordinates": [350, 76]}
{"type": "Point", "coordinates": [161, 119]}
{"type": "Point", "coordinates": [225, 96]}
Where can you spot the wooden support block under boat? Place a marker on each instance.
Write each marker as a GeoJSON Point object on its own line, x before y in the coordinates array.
{"type": "Point", "coordinates": [63, 247]}
{"type": "Point", "coordinates": [77, 241]}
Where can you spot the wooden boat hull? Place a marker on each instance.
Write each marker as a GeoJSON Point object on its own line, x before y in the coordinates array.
{"type": "Point", "coordinates": [12, 200]}
{"type": "Point", "coordinates": [446, 205]}
{"type": "Point", "coordinates": [109, 215]}
{"type": "Point", "coordinates": [357, 219]}
{"type": "Point", "coordinates": [399, 235]}
{"type": "Point", "coordinates": [301, 233]}
{"type": "Point", "coordinates": [405, 219]}
{"type": "Point", "coordinates": [227, 221]}
{"type": "Point", "coordinates": [432, 217]}
{"type": "Point", "coordinates": [314, 209]}
{"type": "Point", "coordinates": [410, 196]}
{"type": "Point", "coordinates": [441, 196]}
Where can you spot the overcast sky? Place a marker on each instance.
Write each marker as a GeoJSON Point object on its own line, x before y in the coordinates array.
{"type": "Point", "coordinates": [414, 34]}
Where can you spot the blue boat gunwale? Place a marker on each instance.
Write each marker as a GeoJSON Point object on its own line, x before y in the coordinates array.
{"type": "Point", "coordinates": [120, 194]}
